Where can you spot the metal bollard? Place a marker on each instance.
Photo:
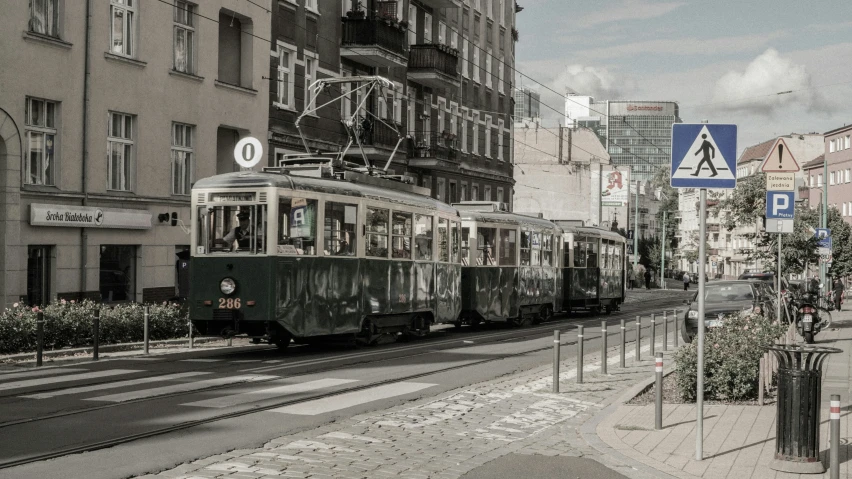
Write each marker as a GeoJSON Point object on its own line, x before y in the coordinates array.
{"type": "Point", "coordinates": [556, 345]}
{"type": "Point", "coordinates": [96, 334]}
{"type": "Point", "coordinates": [191, 341]}
{"type": "Point", "coordinates": [603, 347]}
{"type": "Point", "coordinates": [760, 380]}
{"type": "Point", "coordinates": [665, 332]}
{"type": "Point", "coordinates": [638, 338]}
{"type": "Point", "coordinates": [145, 327]}
{"type": "Point", "coordinates": [658, 415]}
{"type": "Point", "coordinates": [834, 451]}
{"type": "Point", "coordinates": [580, 354]}
{"type": "Point", "coordinates": [653, 334]}
{"type": "Point", "coordinates": [623, 343]}
{"type": "Point", "coordinates": [676, 340]}
{"type": "Point", "coordinates": [39, 338]}
{"type": "Point", "coordinates": [230, 342]}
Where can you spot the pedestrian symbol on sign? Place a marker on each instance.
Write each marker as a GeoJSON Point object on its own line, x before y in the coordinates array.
{"type": "Point", "coordinates": [706, 146]}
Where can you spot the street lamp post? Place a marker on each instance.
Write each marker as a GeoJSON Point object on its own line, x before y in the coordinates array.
{"type": "Point", "coordinates": [636, 229]}
{"type": "Point", "coordinates": [663, 255]}
{"type": "Point", "coordinates": [823, 222]}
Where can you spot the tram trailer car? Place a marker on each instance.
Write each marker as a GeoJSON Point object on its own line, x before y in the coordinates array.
{"type": "Point", "coordinates": [510, 269]}
{"type": "Point", "coordinates": [281, 256]}
{"type": "Point", "coordinates": [593, 269]}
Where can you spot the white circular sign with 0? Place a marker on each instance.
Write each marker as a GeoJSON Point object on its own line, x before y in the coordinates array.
{"type": "Point", "coordinates": [248, 152]}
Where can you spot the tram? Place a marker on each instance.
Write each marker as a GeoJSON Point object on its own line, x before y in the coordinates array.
{"type": "Point", "coordinates": [510, 269]}
{"type": "Point", "coordinates": [593, 269]}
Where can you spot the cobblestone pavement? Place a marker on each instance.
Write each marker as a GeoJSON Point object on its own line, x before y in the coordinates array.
{"type": "Point", "coordinates": [446, 436]}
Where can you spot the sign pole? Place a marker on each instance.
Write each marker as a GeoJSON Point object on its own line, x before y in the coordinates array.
{"type": "Point", "coordinates": [778, 289]}
{"type": "Point", "coordinates": [702, 276]}
{"type": "Point", "coordinates": [636, 229]}
{"type": "Point", "coordinates": [663, 256]}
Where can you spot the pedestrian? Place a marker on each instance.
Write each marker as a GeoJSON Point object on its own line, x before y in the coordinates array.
{"type": "Point", "coordinates": [685, 281]}
{"type": "Point", "coordinates": [631, 277]}
{"type": "Point", "coordinates": [838, 293]}
{"type": "Point", "coordinates": [648, 279]}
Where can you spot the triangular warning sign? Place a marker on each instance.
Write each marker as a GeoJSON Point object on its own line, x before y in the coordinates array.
{"type": "Point", "coordinates": [704, 154]}
{"type": "Point", "coordinates": [780, 159]}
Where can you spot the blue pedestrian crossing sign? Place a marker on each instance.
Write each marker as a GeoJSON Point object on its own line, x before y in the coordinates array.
{"type": "Point", "coordinates": [780, 205]}
{"type": "Point", "coordinates": [823, 236]}
{"type": "Point", "coordinates": [704, 156]}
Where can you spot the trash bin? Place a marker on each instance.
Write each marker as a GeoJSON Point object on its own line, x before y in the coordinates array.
{"type": "Point", "coordinates": [797, 420]}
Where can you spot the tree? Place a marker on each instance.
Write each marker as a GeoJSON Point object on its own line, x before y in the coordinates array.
{"type": "Point", "coordinates": [669, 203]}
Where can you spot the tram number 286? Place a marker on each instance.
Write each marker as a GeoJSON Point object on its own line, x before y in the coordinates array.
{"type": "Point", "coordinates": [229, 303]}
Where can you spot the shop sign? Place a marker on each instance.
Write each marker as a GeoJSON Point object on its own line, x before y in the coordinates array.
{"type": "Point", "coordinates": [88, 217]}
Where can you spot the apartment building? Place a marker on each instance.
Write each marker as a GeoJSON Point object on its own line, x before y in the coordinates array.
{"type": "Point", "coordinates": [837, 157]}
{"type": "Point", "coordinates": [109, 111]}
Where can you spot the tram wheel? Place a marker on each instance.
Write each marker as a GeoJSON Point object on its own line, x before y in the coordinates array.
{"type": "Point", "coordinates": [282, 344]}
{"type": "Point", "coordinates": [608, 309]}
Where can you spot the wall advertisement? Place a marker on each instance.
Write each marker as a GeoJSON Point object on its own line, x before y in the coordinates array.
{"type": "Point", "coordinates": [615, 187]}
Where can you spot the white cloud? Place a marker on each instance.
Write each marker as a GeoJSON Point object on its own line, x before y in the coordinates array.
{"type": "Point", "coordinates": [588, 80]}
{"type": "Point", "coordinates": [756, 88]}
{"type": "Point", "coordinates": [687, 46]}
{"type": "Point", "coordinates": [627, 10]}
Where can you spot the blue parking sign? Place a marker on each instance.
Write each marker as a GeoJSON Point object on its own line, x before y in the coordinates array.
{"type": "Point", "coordinates": [780, 205]}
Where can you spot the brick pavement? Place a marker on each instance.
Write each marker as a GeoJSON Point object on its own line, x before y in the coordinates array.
{"type": "Point", "coordinates": [446, 436]}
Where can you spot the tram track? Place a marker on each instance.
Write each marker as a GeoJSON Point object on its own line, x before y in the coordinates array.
{"type": "Point", "coordinates": [268, 405]}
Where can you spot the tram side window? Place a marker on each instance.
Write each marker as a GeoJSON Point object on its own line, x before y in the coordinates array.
{"type": "Point", "coordinates": [401, 242]}
{"type": "Point", "coordinates": [423, 238]}
{"type": "Point", "coordinates": [297, 226]}
{"type": "Point", "coordinates": [526, 243]}
{"type": "Point", "coordinates": [535, 257]}
{"type": "Point", "coordinates": [508, 247]}
{"type": "Point", "coordinates": [377, 232]}
{"type": "Point", "coordinates": [235, 228]}
{"type": "Point", "coordinates": [465, 245]}
{"type": "Point", "coordinates": [547, 250]}
{"type": "Point", "coordinates": [592, 254]}
{"type": "Point", "coordinates": [340, 222]}
{"type": "Point", "coordinates": [456, 243]}
{"type": "Point", "coordinates": [566, 253]}
{"type": "Point", "coordinates": [485, 241]}
{"type": "Point", "coordinates": [579, 252]}
{"type": "Point", "coordinates": [443, 240]}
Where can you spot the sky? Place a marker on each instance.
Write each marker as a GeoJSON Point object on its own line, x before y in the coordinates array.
{"type": "Point", "coordinates": [723, 61]}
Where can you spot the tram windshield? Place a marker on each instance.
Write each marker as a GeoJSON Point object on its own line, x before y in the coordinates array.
{"type": "Point", "coordinates": [233, 229]}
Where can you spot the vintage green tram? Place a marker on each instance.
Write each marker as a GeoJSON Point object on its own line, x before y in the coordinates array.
{"type": "Point", "coordinates": [511, 266]}
{"type": "Point", "coordinates": [312, 251]}
{"type": "Point", "coordinates": [593, 269]}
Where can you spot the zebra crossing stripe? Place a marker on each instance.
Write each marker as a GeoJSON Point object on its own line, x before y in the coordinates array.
{"type": "Point", "coordinates": [252, 396]}
{"type": "Point", "coordinates": [39, 372]}
{"type": "Point", "coordinates": [343, 401]}
{"type": "Point", "coordinates": [200, 360]}
{"type": "Point", "coordinates": [180, 388]}
{"type": "Point", "coordinates": [114, 385]}
{"type": "Point", "coordinates": [62, 379]}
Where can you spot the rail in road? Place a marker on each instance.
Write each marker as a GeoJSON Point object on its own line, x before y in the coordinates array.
{"type": "Point", "coordinates": [299, 367]}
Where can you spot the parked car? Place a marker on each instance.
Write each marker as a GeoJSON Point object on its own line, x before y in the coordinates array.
{"type": "Point", "coordinates": [725, 297]}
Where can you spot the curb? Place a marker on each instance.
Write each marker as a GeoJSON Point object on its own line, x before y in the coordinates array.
{"type": "Point", "coordinates": [106, 348]}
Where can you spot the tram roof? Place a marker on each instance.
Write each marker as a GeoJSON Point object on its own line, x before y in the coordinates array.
{"type": "Point", "coordinates": [254, 179]}
{"type": "Point", "coordinates": [592, 231]}
{"type": "Point", "coordinates": [506, 218]}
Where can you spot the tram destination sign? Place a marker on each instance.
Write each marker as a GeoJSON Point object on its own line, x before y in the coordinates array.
{"type": "Point", "coordinates": [231, 197]}
{"type": "Point", "coordinates": [88, 217]}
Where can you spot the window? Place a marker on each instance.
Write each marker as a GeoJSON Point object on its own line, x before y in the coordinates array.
{"type": "Point", "coordinates": [443, 240]}
{"type": "Point", "coordinates": [401, 241]}
{"type": "Point", "coordinates": [184, 37]}
{"type": "Point", "coordinates": [487, 141]}
{"type": "Point", "coordinates": [340, 221]}
{"type": "Point", "coordinates": [547, 250]}
{"type": "Point", "coordinates": [463, 195]}
{"type": "Point", "coordinates": [500, 195]}
{"type": "Point", "coordinates": [487, 192]}
{"type": "Point", "coordinates": [847, 175]}
{"type": "Point", "coordinates": [846, 144]}
{"type": "Point", "coordinates": [427, 28]}
{"type": "Point", "coordinates": [441, 189]}
{"type": "Point", "coordinates": [488, 57]}
{"type": "Point", "coordinates": [501, 75]}
{"type": "Point", "coordinates": [500, 148]}
{"type": "Point", "coordinates": [397, 104]}
{"type": "Point", "coordinates": [465, 57]}
{"type": "Point", "coordinates": [442, 33]}
{"type": "Point", "coordinates": [526, 246]}
{"type": "Point", "coordinates": [311, 5]}
{"type": "Point", "coordinates": [501, 11]}
{"type": "Point", "coordinates": [831, 178]}
{"type": "Point", "coordinates": [297, 226]}
{"type": "Point", "coordinates": [120, 151]}
{"type": "Point", "coordinates": [123, 29]}
{"type": "Point", "coordinates": [423, 238]}
{"type": "Point", "coordinates": [412, 24]}
{"type": "Point", "coordinates": [489, 4]}
{"type": "Point", "coordinates": [286, 79]}
{"type": "Point", "coordinates": [377, 233]}
{"type": "Point", "coordinates": [812, 181]}
{"type": "Point", "coordinates": [819, 180]}
{"type": "Point", "coordinates": [474, 192]}
{"type": "Point", "coordinates": [508, 247]}
{"type": "Point", "coordinates": [44, 17]}
{"type": "Point", "coordinates": [485, 244]}
{"type": "Point", "coordinates": [40, 121]}
{"type": "Point", "coordinates": [117, 273]}
{"type": "Point", "coordinates": [235, 47]}
{"type": "Point", "coordinates": [182, 158]}
{"type": "Point", "coordinates": [310, 73]}
{"type": "Point", "coordinates": [844, 209]}
{"type": "Point", "coordinates": [475, 133]}
{"type": "Point", "coordinates": [464, 127]}
{"type": "Point", "coordinates": [475, 66]}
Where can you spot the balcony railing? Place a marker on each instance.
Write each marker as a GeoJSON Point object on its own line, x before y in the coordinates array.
{"type": "Point", "coordinates": [378, 134]}
{"type": "Point", "coordinates": [438, 146]}
{"type": "Point", "coordinates": [374, 32]}
{"type": "Point", "coordinates": [434, 57]}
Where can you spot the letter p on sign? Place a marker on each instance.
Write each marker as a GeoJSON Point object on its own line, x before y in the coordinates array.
{"type": "Point", "coordinates": [781, 204]}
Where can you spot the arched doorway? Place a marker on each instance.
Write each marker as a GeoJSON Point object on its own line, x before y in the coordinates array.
{"type": "Point", "coordinates": [13, 264]}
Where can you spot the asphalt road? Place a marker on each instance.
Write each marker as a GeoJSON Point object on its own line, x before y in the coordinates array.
{"type": "Point", "coordinates": [172, 409]}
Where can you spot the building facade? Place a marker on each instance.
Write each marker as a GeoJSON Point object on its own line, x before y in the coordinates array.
{"type": "Point", "coordinates": [639, 135]}
{"type": "Point", "coordinates": [527, 105]}
{"type": "Point", "coordinates": [452, 67]}
{"type": "Point", "coordinates": [837, 155]}
{"type": "Point", "coordinates": [109, 111]}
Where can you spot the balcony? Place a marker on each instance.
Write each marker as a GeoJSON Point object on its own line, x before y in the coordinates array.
{"type": "Point", "coordinates": [433, 65]}
{"type": "Point", "coordinates": [435, 151]}
{"type": "Point", "coordinates": [378, 141]}
{"type": "Point", "coordinates": [441, 3]}
{"type": "Point", "coordinates": [374, 42]}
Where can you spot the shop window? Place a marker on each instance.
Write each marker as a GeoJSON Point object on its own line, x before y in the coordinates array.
{"type": "Point", "coordinates": [377, 232]}
{"type": "Point", "coordinates": [117, 273]}
{"type": "Point", "coordinates": [340, 222]}
{"type": "Point", "coordinates": [297, 226]}
{"type": "Point", "coordinates": [38, 275]}
{"type": "Point", "coordinates": [401, 235]}
{"type": "Point", "coordinates": [508, 247]}
{"type": "Point", "coordinates": [423, 238]}
{"type": "Point", "coordinates": [486, 241]}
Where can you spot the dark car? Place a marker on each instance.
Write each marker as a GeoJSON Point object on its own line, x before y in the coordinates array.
{"type": "Point", "coordinates": [725, 297]}
{"type": "Point", "coordinates": [766, 276]}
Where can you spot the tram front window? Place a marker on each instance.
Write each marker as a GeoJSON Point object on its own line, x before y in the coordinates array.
{"type": "Point", "coordinates": [297, 226]}
{"type": "Point", "coordinates": [340, 222]}
{"type": "Point", "coordinates": [508, 246]}
{"type": "Point", "coordinates": [486, 239]}
{"type": "Point", "coordinates": [233, 229]}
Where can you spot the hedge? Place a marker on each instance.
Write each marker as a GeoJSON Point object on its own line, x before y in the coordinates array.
{"type": "Point", "coordinates": [732, 355]}
{"type": "Point", "coordinates": [68, 324]}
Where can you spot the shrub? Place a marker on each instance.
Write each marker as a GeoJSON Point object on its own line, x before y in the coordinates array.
{"type": "Point", "coordinates": [732, 355]}
{"type": "Point", "coordinates": [68, 324]}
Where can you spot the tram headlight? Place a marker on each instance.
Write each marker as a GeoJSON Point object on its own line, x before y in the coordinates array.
{"type": "Point", "coordinates": [227, 286]}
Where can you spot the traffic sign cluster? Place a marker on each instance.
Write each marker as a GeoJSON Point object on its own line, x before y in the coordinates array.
{"type": "Point", "coordinates": [780, 167]}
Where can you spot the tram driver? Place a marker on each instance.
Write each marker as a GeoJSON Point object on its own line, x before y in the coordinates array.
{"type": "Point", "coordinates": [241, 235]}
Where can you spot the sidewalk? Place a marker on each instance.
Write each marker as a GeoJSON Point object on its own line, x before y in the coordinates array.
{"type": "Point", "coordinates": [739, 441]}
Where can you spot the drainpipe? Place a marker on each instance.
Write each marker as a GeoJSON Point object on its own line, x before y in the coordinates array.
{"type": "Point", "coordinates": [84, 236]}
